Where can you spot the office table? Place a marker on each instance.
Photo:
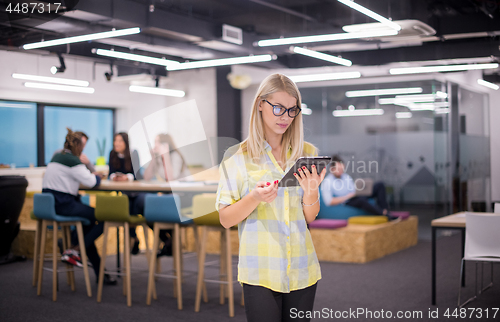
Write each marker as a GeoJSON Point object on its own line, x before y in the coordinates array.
{"type": "Point", "coordinates": [456, 222]}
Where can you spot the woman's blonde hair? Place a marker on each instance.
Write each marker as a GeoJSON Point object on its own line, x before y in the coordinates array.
{"type": "Point", "coordinates": [294, 135]}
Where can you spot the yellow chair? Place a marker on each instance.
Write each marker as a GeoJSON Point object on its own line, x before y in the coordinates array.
{"type": "Point", "coordinates": [207, 218]}
{"type": "Point", "coordinates": [114, 212]}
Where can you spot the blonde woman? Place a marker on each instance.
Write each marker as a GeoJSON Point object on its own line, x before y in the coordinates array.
{"type": "Point", "coordinates": [278, 266]}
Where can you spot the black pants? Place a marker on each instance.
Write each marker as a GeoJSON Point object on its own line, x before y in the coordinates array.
{"type": "Point", "coordinates": [265, 305]}
{"type": "Point", "coordinates": [380, 198]}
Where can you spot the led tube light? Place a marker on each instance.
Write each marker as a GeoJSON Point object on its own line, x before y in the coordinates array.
{"type": "Point", "coordinates": [318, 55]}
{"type": "Point", "coordinates": [488, 84]}
{"type": "Point", "coordinates": [135, 57]}
{"type": "Point", "coordinates": [444, 68]}
{"type": "Point", "coordinates": [156, 91]}
{"type": "Point", "coordinates": [56, 87]}
{"type": "Point", "coordinates": [371, 14]}
{"type": "Point", "coordinates": [221, 62]}
{"type": "Point", "coordinates": [360, 112]}
{"type": "Point", "coordinates": [324, 77]}
{"type": "Point", "coordinates": [403, 115]}
{"type": "Point", "coordinates": [328, 37]}
{"type": "Point", "coordinates": [55, 80]}
{"type": "Point", "coordinates": [70, 40]}
{"type": "Point", "coordinates": [381, 92]}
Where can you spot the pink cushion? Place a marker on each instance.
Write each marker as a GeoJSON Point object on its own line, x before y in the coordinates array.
{"type": "Point", "coordinates": [401, 214]}
{"type": "Point", "coordinates": [328, 223]}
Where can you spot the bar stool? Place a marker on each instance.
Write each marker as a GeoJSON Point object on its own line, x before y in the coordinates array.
{"type": "Point", "coordinates": [114, 212]}
{"type": "Point", "coordinates": [163, 211]}
{"type": "Point", "coordinates": [207, 218]}
{"type": "Point", "coordinates": [36, 251]}
{"type": "Point", "coordinates": [44, 211]}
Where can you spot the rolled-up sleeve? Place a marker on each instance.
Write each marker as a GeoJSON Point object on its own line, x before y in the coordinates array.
{"type": "Point", "coordinates": [230, 183]}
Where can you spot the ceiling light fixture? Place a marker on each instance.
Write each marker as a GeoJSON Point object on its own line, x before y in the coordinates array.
{"type": "Point", "coordinates": [70, 40]}
{"type": "Point", "coordinates": [55, 80]}
{"type": "Point", "coordinates": [305, 110]}
{"type": "Point", "coordinates": [65, 88]}
{"type": "Point", "coordinates": [403, 115]}
{"type": "Point", "coordinates": [318, 55]}
{"type": "Point", "coordinates": [324, 77]}
{"type": "Point", "coordinates": [381, 92]}
{"type": "Point", "coordinates": [54, 69]}
{"type": "Point", "coordinates": [442, 110]}
{"type": "Point", "coordinates": [488, 84]}
{"type": "Point", "coordinates": [371, 14]}
{"type": "Point", "coordinates": [328, 37]}
{"type": "Point", "coordinates": [425, 106]}
{"type": "Point", "coordinates": [358, 112]}
{"type": "Point", "coordinates": [419, 98]}
{"type": "Point", "coordinates": [135, 57]}
{"type": "Point", "coordinates": [444, 68]}
{"type": "Point", "coordinates": [156, 91]}
{"type": "Point", "coordinates": [221, 62]}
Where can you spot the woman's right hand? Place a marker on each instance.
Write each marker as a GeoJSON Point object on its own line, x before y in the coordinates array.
{"type": "Point", "coordinates": [265, 191]}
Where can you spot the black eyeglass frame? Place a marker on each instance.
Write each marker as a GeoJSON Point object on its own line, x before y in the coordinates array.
{"type": "Point", "coordinates": [285, 109]}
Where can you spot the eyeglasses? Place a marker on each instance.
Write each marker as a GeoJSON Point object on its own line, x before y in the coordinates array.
{"type": "Point", "coordinates": [279, 110]}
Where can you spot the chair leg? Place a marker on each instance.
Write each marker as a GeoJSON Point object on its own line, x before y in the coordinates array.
{"type": "Point", "coordinates": [83, 253]}
{"type": "Point", "coordinates": [229, 272]}
{"type": "Point", "coordinates": [201, 268]}
{"type": "Point", "coordinates": [70, 267]}
{"type": "Point", "coordinates": [127, 263]}
{"type": "Point", "coordinates": [149, 254]}
{"type": "Point", "coordinates": [65, 246]}
{"type": "Point", "coordinates": [152, 264]}
{"type": "Point", "coordinates": [242, 298]}
{"type": "Point", "coordinates": [41, 256]}
{"type": "Point", "coordinates": [103, 260]}
{"type": "Point", "coordinates": [178, 270]}
{"type": "Point", "coordinates": [54, 260]}
{"type": "Point", "coordinates": [197, 251]}
{"type": "Point", "coordinates": [36, 251]}
{"type": "Point", "coordinates": [222, 267]}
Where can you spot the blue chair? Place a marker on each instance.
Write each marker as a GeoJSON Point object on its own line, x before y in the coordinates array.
{"type": "Point", "coordinates": [164, 212]}
{"type": "Point", "coordinates": [44, 210]}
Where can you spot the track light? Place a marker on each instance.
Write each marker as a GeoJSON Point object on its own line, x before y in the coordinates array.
{"type": "Point", "coordinates": [54, 69]}
{"type": "Point", "coordinates": [109, 75]}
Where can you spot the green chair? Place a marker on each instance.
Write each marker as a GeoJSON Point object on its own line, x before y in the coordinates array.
{"type": "Point", "coordinates": [114, 212]}
{"type": "Point", "coordinates": [207, 218]}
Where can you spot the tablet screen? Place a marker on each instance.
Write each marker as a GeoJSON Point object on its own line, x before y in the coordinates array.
{"type": "Point", "coordinates": [289, 179]}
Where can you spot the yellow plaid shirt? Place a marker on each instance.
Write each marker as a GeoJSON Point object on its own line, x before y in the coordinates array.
{"type": "Point", "coordinates": [276, 249]}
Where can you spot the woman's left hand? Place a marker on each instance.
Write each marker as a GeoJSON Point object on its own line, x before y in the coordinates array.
{"type": "Point", "coordinates": [310, 180]}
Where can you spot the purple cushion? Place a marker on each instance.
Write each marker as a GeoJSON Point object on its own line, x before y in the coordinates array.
{"type": "Point", "coordinates": [328, 223]}
{"type": "Point", "coordinates": [401, 214]}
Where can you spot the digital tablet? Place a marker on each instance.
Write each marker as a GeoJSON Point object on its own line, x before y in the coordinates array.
{"type": "Point", "coordinates": [289, 179]}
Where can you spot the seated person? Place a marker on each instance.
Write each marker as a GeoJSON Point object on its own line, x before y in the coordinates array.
{"type": "Point", "coordinates": [63, 176]}
{"type": "Point", "coordinates": [83, 158]}
{"type": "Point", "coordinates": [339, 188]}
{"type": "Point", "coordinates": [167, 164]}
{"type": "Point", "coordinates": [120, 169]}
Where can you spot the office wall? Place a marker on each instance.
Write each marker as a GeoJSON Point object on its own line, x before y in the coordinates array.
{"type": "Point", "coordinates": [199, 85]}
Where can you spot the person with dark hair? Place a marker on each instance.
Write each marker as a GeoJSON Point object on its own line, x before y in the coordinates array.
{"type": "Point", "coordinates": [63, 177]}
{"type": "Point", "coordinates": [120, 169]}
{"type": "Point", "coordinates": [339, 188]}
{"type": "Point", "coordinates": [83, 158]}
